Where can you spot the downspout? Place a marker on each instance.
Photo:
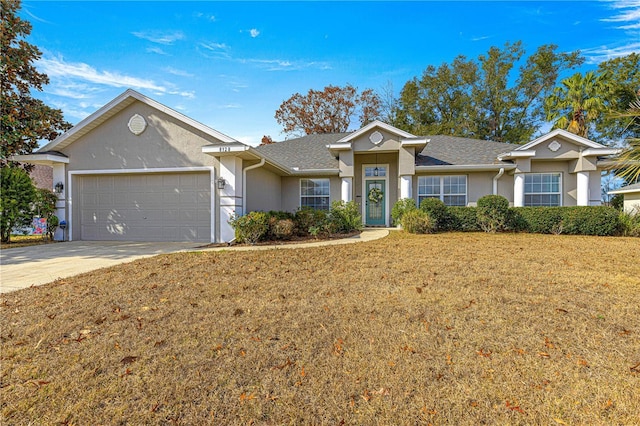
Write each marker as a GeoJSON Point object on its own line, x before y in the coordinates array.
{"type": "Point", "coordinates": [244, 191]}
{"type": "Point", "coordinates": [495, 180]}
{"type": "Point", "coordinates": [244, 184]}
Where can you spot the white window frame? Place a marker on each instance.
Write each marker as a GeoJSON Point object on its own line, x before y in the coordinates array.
{"type": "Point", "coordinates": [441, 195]}
{"type": "Point", "coordinates": [328, 196]}
{"type": "Point", "coordinates": [558, 193]}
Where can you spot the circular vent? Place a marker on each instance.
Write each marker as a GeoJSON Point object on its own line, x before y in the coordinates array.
{"type": "Point", "coordinates": [137, 124]}
{"type": "Point", "coordinates": [376, 138]}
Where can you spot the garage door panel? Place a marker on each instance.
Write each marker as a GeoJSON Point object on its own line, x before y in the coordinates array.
{"type": "Point", "coordinates": [145, 207]}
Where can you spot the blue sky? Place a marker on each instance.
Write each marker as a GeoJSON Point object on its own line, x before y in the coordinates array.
{"type": "Point", "coordinates": [230, 65]}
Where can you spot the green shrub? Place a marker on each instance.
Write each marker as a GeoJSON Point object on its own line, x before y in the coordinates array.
{"type": "Point", "coordinates": [400, 208]}
{"type": "Point", "coordinates": [591, 220]}
{"type": "Point", "coordinates": [282, 229]}
{"type": "Point", "coordinates": [52, 225]}
{"type": "Point", "coordinates": [307, 218]}
{"type": "Point", "coordinates": [493, 213]}
{"type": "Point", "coordinates": [344, 217]}
{"type": "Point", "coordinates": [630, 224]}
{"type": "Point", "coordinates": [582, 220]}
{"type": "Point", "coordinates": [464, 219]}
{"type": "Point", "coordinates": [251, 227]}
{"type": "Point", "coordinates": [417, 222]}
{"type": "Point", "coordinates": [437, 211]}
{"type": "Point", "coordinates": [539, 220]}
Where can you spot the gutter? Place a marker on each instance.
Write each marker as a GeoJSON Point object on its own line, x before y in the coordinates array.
{"type": "Point", "coordinates": [495, 180]}
{"type": "Point", "coordinates": [244, 184]}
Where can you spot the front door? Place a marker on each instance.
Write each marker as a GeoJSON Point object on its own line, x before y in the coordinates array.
{"type": "Point", "coordinates": [375, 203]}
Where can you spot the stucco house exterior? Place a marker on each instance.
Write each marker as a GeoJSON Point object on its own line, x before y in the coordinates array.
{"type": "Point", "coordinates": [137, 170]}
{"type": "Point", "coordinates": [631, 194]}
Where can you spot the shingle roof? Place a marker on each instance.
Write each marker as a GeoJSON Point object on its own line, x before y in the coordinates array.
{"type": "Point", "coordinates": [451, 150]}
{"type": "Point", "coordinates": [310, 152]}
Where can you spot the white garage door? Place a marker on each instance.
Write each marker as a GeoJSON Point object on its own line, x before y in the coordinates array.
{"type": "Point", "coordinates": [144, 207]}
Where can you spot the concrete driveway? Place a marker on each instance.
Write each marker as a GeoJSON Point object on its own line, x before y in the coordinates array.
{"type": "Point", "coordinates": [35, 265]}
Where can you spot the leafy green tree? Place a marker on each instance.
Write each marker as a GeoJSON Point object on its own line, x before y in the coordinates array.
{"type": "Point", "coordinates": [622, 77]}
{"type": "Point", "coordinates": [25, 120]}
{"type": "Point", "coordinates": [488, 98]}
{"type": "Point", "coordinates": [577, 103]}
{"type": "Point", "coordinates": [16, 199]}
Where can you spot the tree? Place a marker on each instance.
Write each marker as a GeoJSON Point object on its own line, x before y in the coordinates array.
{"type": "Point", "coordinates": [484, 98]}
{"type": "Point", "coordinates": [327, 111]}
{"type": "Point", "coordinates": [577, 103]}
{"type": "Point", "coordinates": [25, 120]}
{"type": "Point", "coordinates": [628, 164]}
{"type": "Point", "coordinates": [16, 199]}
{"type": "Point", "coordinates": [622, 77]}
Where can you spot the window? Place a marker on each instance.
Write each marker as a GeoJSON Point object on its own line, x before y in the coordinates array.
{"type": "Point", "coordinates": [314, 193]}
{"type": "Point", "coordinates": [452, 190]}
{"type": "Point", "coordinates": [371, 171]}
{"type": "Point", "coordinates": [542, 189]}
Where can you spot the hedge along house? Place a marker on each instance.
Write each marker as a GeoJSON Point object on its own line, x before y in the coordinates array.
{"type": "Point", "coordinates": [136, 170]}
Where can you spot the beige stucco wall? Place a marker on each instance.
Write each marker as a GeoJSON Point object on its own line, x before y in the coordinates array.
{"type": "Point", "coordinates": [263, 190]}
{"type": "Point", "coordinates": [632, 203]}
{"type": "Point", "coordinates": [291, 190]}
{"type": "Point", "coordinates": [164, 143]}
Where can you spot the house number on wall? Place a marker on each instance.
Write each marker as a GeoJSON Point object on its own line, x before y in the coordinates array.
{"type": "Point", "coordinates": [224, 149]}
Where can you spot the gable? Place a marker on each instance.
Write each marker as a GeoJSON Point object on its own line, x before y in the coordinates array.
{"type": "Point", "coordinates": [165, 141]}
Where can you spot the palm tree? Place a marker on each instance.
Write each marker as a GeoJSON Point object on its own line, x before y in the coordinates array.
{"type": "Point", "coordinates": [578, 101]}
{"type": "Point", "coordinates": [628, 162]}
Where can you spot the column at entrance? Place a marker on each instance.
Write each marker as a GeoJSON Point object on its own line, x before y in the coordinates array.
{"type": "Point", "coordinates": [518, 190]}
{"type": "Point", "coordinates": [230, 196]}
{"type": "Point", "coordinates": [406, 191]}
{"type": "Point", "coordinates": [346, 190]}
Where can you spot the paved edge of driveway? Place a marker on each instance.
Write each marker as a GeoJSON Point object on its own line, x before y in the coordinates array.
{"type": "Point", "coordinates": [45, 274]}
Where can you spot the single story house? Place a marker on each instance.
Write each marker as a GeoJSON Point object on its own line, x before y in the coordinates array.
{"type": "Point", "coordinates": [631, 194]}
{"type": "Point", "coordinates": [137, 170]}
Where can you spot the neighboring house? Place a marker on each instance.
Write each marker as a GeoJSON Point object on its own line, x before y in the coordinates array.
{"type": "Point", "coordinates": [137, 170]}
{"type": "Point", "coordinates": [631, 194]}
{"type": "Point", "coordinates": [42, 177]}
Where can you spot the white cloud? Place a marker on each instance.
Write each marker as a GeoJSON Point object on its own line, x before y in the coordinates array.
{"type": "Point", "coordinates": [179, 73]}
{"type": "Point", "coordinates": [206, 16]}
{"type": "Point", "coordinates": [159, 36]}
{"type": "Point", "coordinates": [157, 50]}
{"type": "Point", "coordinates": [628, 14]}
{"type": "Point", "coordinates": [214, 47]}
{"type": "Point", "coordinates": [254, 32]}
{"type": "Point", "coordinates": [56, 67]}
{"type": "Point", "coordinates": [604, 53]}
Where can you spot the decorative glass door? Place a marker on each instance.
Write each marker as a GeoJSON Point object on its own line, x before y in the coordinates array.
{"type": "Point", "coordinates": [375, 203]}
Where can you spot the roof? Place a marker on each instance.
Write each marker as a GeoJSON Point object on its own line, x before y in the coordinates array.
{"type": "Point", "coordinates": [115, 106]}
{"type": "Point", "coordinates": [629, 189]}
{"type": "Point", "coordinates": [452, 150]}
{"type": "Point", "coordinates": [311, 153]}
{"type": "Point", "coordinates": [307, 152]}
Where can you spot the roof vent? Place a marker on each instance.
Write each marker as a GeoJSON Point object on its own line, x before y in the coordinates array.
{"type": "Point", "coordinates": [137, 124]}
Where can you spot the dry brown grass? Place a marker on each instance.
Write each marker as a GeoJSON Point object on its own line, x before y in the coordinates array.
{"type": "Point", "coordinates": [440, 329]}
{"type": "Point", "coordinates": [25, 241]}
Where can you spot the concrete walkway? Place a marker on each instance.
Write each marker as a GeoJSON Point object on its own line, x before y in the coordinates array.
{"type": "Point", "coordinates": [36, 265]}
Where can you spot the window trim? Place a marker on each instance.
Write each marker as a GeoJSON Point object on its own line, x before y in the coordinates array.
{"type": "Point", "coordinates": [441, 194]}
{"type": "Point", "coordinates": [559, 193]}
{"type": "Point", "coordinates": [301, 196]}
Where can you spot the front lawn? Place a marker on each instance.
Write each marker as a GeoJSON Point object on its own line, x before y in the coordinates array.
{"type": "Point", "coordinates": [433, 329]}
